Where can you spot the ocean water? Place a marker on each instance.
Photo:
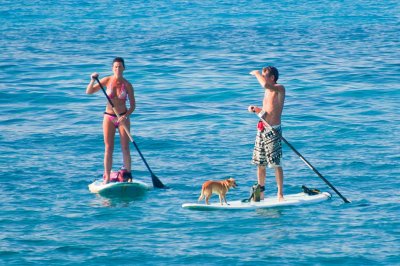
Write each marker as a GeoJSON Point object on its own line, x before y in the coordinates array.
{"type": "Point", "coordinates": [189, 62]}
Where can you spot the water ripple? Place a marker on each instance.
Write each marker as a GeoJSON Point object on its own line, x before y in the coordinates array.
{"type": "Point", "coordinates": [189, 63]}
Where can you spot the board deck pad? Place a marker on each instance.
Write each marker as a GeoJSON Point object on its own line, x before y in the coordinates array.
{"type": "Point", "coordinates": [269, 202]}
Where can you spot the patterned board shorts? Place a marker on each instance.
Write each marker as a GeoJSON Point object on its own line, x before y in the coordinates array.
{"type": "Point", "coordinates": [268, 148]}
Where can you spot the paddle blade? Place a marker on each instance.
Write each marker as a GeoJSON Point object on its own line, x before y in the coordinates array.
{"type": "Point", "coordinates": [157, 182]}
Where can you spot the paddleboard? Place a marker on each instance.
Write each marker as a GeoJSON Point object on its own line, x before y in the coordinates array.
{"type": "Point", "coordinates": [269, 202]}
{"type": "Point", "coordinates": [134, 188]}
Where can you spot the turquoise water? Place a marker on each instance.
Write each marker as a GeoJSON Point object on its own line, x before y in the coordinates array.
{"type": "Point", "coordinates": [189, 63]}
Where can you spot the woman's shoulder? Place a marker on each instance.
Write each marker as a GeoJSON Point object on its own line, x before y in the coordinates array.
{"type": "Point", "coordinates": [106, 79]}
{"type": "Point", "coordinates": [128, 83]}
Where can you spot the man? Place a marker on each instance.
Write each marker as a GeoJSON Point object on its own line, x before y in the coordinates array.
{"type": "Point", "coordinates": [268, 146]}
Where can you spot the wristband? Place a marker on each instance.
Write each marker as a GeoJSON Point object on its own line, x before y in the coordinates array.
{"type": "Point", "coordinates": [261, 114]}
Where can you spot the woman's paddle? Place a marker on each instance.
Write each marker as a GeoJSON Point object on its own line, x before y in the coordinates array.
{"type": "Point", "coordinates": [156, 181]}
{"type": "Point", "coordinates": [301, 157]}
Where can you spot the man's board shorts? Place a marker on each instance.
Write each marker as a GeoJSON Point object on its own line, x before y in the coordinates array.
{"type": "Point", "coordinates": [268, 146]}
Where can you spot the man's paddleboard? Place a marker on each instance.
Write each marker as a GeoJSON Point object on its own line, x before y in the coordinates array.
{"type": "Point", "coordinates": [270, 202]}
{"type": "Point", "coordinates": [134, 188]}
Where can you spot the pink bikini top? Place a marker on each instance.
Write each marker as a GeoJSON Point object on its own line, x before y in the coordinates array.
{"type": "Point", "coordinates": [122, 95]}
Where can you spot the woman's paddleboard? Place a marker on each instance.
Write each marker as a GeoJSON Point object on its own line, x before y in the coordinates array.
{"type": "Point", "coordinates": [270, 202]}
{"type": "Point", "coordinates": [117, 189]}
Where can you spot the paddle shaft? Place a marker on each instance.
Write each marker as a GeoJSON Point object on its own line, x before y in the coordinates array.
{"type": "Point", "coordinates": [156, 181]}
{"type": "Point", "coordinates": [305, 161]}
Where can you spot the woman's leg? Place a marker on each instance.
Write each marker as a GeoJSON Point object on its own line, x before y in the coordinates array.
{"type": "Point", "coordinates": [109, 135]}
{"type": "Point", "coordinates": [124, 138]}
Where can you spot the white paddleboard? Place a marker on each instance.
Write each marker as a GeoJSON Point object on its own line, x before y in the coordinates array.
{"type": "Point", "coordinates": [134, 188]}
{"type": "Point", "coordinates": [269, 202]}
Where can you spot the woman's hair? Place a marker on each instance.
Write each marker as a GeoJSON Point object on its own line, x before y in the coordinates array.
{"type": "Point", "coordinates": [120, 60]}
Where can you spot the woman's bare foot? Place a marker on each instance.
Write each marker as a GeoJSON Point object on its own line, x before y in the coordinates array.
{"type": "Point", "coordinates": [280, 197]}
{"type": "Point", "coordinates": [106, 180]}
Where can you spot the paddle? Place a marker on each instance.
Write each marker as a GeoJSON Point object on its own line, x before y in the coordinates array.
{"type": "Point", "coordinates": [302, 158]}
{"type": "Point", "coordinates": [156, 181]}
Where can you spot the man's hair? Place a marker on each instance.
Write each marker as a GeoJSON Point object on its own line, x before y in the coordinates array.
{"type": "Point", "coordinates": [120, 60]}
{"type": "Point", "coordinates": [272, 71]}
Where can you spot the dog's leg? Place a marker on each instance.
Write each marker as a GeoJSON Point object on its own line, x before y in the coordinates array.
{"type": "Point", "coordinates": [224, 199]}
{"type": "Point", "coordinates": [201, 196]}
{"type": "Point", "coordinates": [207, 199]}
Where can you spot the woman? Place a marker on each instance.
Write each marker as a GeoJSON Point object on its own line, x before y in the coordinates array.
{"type": "Point", "coordinates": [118, 90]}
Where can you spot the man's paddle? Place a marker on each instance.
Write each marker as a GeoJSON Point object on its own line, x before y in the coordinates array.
{"type": "Point", "coordinates": [260, 115]}
{"type": "Point", "coordinates": [156, 181]}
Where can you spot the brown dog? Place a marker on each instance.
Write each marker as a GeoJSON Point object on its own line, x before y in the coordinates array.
{"type": "Point", "coordinates": [217, 187]}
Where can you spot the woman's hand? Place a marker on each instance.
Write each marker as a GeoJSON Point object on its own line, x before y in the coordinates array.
{"type": "Point", "coordinates": [94, 76]}
{"type": "Point", "coordinates": [123, 118]}
{"type": "Point", "coordinates": [91, 87]}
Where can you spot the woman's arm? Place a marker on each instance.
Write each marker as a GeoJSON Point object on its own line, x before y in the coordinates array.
{"type": "Point", "coordinates": [132, 101]}
{"type": "Point", "coordinates": [93, 87]}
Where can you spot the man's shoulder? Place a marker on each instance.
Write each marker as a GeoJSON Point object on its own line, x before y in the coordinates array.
{"type": "Point", "coordinates": [279, 87]}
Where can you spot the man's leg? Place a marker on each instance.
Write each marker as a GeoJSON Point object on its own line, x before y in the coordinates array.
{"type": "Point", "coordinates": [261, 173]}
{"type": "Point", "coordinates": [279, 182]}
